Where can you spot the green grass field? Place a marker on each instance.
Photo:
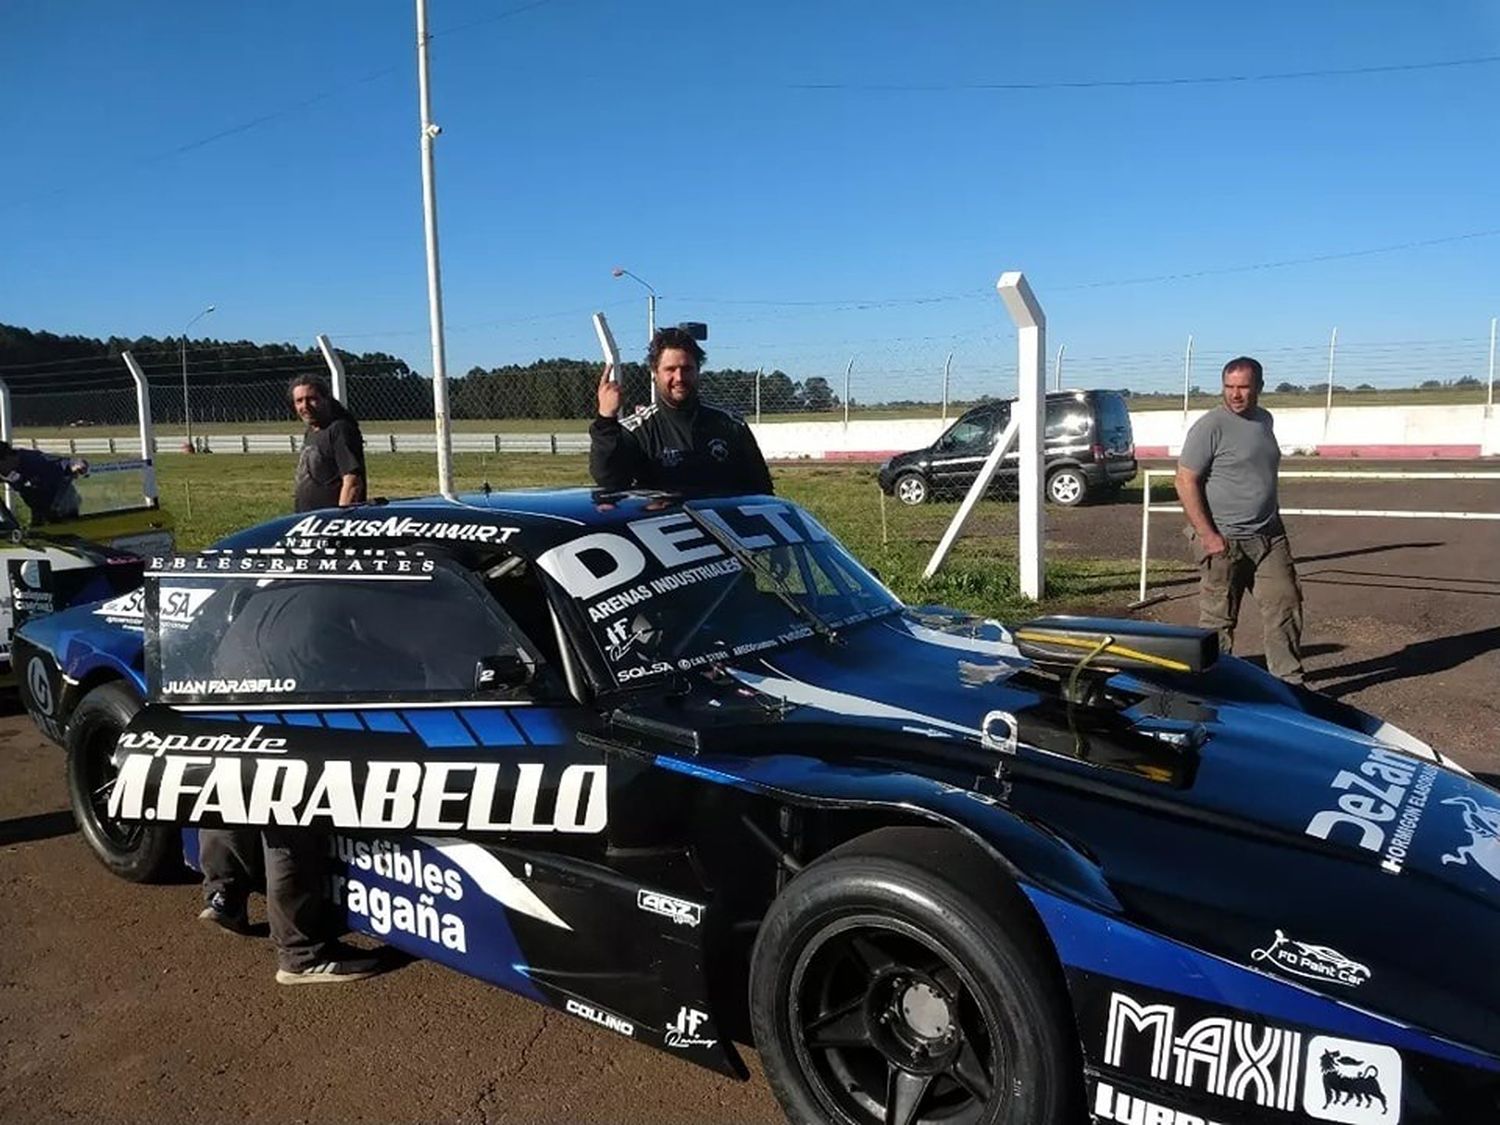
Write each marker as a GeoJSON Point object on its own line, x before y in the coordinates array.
{"type": "Point", "coordinates": [212, 496]}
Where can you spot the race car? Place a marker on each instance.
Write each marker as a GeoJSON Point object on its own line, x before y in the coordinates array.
{"type": "Point", "coordinates": [687, 770]}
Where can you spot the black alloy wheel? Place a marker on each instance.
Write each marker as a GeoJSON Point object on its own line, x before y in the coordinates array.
{"type": "Point", "coordinates": [138, 852]}
{"type": "Point", "coordinates": [899, 981]}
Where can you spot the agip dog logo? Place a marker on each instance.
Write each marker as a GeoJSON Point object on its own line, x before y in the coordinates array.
{"type": "Point", "coordinates": [1354, 1083]}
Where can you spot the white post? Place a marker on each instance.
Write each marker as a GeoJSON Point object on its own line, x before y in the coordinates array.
{"type": "Point", "coordinates": [143, 422]}
{"type": "Point", "coordinates": [1489, 394]}
{"type": "Point", "coordinates": [1187, 379]}
{"type": "Point", "coordinates": [1058, 373]}
{"type": "Point", "coordinates": [947, 369]}
{"type": "Point", "coordinates": [758, 372]}
{"type": "Point", "coordinates": [1031, 342]}
{"type": "Point", "coordinates": [1333, 343]}
{"type": "Point", "coordinates": [1003, 445]}
{"type": "Point", "coordinates": [5, 431]}
{"type": "Point", "coordinates": [335, 370]}
{"type": "Point", "coordinates": [847, 372]}
{"type": "Point", "coordinates": [434, 277]}
{"type": "Point", "coordinates": [1145, 525]}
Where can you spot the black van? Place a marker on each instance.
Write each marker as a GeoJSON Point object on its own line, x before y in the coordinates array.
{"type": "Point", "coordinates": [1089, 450]}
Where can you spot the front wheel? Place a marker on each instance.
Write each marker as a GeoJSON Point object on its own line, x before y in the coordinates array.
{"type": "Point", "coordinates": [896, 981]}
{"type": "Point", "coordinates": [135, 852]}
{"type": "Point", "coordinates": [911, 488]}
{"type": "Point", "coordinates": [1067, 487]}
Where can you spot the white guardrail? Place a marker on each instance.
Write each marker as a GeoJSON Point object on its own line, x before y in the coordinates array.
{"type": "Point", "coordinates": [1147, 508]}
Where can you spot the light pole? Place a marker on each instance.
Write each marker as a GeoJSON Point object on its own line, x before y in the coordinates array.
{"type": "Point", "coordinates": [187, 414]}
{"type": "Point", "coordinates": [621, 271]}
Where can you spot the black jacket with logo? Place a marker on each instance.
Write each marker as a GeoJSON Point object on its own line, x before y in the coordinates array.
{"type": "Point", "coordinates": [698, 450]}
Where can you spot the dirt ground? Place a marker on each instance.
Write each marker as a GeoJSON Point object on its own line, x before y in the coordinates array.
{"type": "Point", "coordinates": [115, 1005]}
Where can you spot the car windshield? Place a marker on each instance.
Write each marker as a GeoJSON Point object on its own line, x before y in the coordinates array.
{"type": "Point", "coordinates": [719, 582]}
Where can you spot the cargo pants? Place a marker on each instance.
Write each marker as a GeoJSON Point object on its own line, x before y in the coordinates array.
{"type": "Point", "coordinates": [298, 911]}
{"type": "Point", "coordinates": [1262, 565]}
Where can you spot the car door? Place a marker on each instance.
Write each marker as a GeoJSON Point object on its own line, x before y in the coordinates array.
{"type": "Point", "coordinates": [386, 699]}
{"type": "Point", "coordinates": [959, 454]}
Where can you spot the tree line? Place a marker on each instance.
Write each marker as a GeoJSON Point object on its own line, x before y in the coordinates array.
{"type": "Point", "coordinates": [68, 380]}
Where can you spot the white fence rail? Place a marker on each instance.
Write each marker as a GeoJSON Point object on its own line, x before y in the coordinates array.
{"type": "Point", "coordinates": [1148, 509]}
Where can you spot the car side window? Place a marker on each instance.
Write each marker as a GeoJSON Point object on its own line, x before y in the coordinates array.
{"type": "Point", "coordinates": [968, 431]}
{"type": "Point", "coordinates": [331, 636]}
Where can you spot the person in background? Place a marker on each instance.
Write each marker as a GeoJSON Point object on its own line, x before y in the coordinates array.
{"type": "Point", "coordinates": [680, 444]}
{"type": "Point", "coordinates": [43, 481]}
{"type": "Point", "coordinates": [331, 470]}
{"type": "Point", "coordinates": [1226, 480]}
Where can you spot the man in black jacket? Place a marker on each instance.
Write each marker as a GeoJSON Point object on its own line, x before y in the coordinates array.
{"type": "Point", "coordinates": [681, 444]}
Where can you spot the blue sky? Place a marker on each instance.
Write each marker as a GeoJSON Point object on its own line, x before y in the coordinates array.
{"type": "Point", "coordinates": [818, 181]}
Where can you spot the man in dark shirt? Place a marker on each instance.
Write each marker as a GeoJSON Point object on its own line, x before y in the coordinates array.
{"type": "Point", "coordinates": [331, 470]}
{"type": "Point", "coordinates": [681, 444]}
{"type": "Point", "coordinates": [45, 483]}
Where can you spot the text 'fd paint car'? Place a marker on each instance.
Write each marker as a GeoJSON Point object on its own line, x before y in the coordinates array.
{"type": "Point", "coordinates": [689, 771]}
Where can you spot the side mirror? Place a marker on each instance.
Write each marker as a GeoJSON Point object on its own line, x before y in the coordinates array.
{"type": "Point", "coordinates": [503, 670]}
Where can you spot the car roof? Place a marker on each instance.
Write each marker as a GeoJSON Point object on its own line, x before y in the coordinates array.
{"type": "Point", "coordinates": [527, 520]}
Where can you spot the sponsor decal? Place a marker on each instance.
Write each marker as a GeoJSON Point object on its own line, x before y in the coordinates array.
{"type": "Point", "coordinates": [396, 527]}
{"type": "Point", "coordinates": [1115, 1105]}
{"type": "Point", "coordinates": [718, 449]}
{"type": "Point", "coordinates": [604, 561]}
{"type": "Point", "coordinates": [127, 609]}
{"type": "Point", "coordinates": [1315, 962]}
{"type": "Point", "coordinates": [427, 796]}
{"type": "Point", "coordinates": [623, 635]}
{"type": "Point", "coordinates": [1483, 825]}
{"type": "Point", "coordinates": [1379, 807]}
{"type": "Point", "coordinates": [1267, 1066]}
{"type": "Point", "coordinates": [670, 457]}
{"type": "Point", "coordinates": [158, 744]}
{"type": "Point", "coordinates": [39, 685]}
{"type": "Point", "coordinates": [716, 657]}
{"type": "Point", "coordinates": [683, 1031]}
{"type": "Point", "coordinates": [625, 675]}
{"type": "Point", "coordinates": [681, 911]}
{"type": "Point", "coordinates": [1354, 1083]}
{"type": "Point", "coordinates": [619, 603]}
{"type": "Point", "coordinates": [420, 915]}
{"type": "Point", "coordinates": [273, 563]}
{"type": "Point", "coordinates": [228, 687]}
{"type": "Point", "coordinates": [601, 1017]}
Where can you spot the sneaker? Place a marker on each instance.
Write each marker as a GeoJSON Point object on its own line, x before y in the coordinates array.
{"type": "Point", "coordinates": [220, 912]}
{"type": "Point", "coordinates": [330, 972]}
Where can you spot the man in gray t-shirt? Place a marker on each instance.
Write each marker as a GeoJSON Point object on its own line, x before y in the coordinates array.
{"type": "Point", "coordinates": [1226, 480]}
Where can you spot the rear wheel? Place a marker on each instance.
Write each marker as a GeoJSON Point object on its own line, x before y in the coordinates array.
{"type": "Point", "coordinates": [896, 981]}
{"type": "Point", "coordinates": [137, 852]}
{"type": "Point", "coordinates": [911, 488]}
{"type": "Point", "coordinates": [1067, 487]}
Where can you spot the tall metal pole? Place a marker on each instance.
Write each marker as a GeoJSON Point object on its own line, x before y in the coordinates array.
{"type": "Point", "coordinates": [1187, 378]}
{"type": "Point", "coordinates": [1333, 343]}
{"type": "Point", "coordinates": [947, 368]}
{"type": "Point", "coordinates": [1489, 395]}
{"type": "Point", "coordinates": [1060, 349]}
{"type": "Point", "coordinates": [847, 372]}
{"type": "Point", "coordinates": [187, 413]}
{"type": "Point", "coordinates": [758, 371]}
{"type": "Point", "coordinates": [434, 276]}
{"type": "Point", "coordinates": [621, 271]}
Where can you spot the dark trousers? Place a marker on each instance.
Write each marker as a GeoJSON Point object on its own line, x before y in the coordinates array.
{"type": "Point", "coordinates": [295, 866]}
{"type": "Point", "coordinates": [1262, 565]}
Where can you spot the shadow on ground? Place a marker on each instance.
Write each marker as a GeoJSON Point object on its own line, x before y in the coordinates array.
{"type": "Point", "coordinates": [1420, 658]}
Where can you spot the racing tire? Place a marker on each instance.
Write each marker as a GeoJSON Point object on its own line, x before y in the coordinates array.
{"type": "Point", "coordinates": [901, 979]}
{"type": "Point", "coordinates": [912, 489]}
{"type": "Point", "coordinates": [136, 852]}
{"type": "Point", "coordinates": [1066, 487]}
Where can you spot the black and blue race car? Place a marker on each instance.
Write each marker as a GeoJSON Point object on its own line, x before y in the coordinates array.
{"type": "Point", "coordinates": [689, 771]}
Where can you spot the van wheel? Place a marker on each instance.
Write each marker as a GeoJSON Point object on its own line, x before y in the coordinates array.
{"type": "Point", "coordinates": [899, 980]}
{"type": "Point", "coordinates": [911, 488]}
{"type": "Point", "coordinates": [137, 852]}
{"type": "Point", "coordinates": [1067, 487]}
